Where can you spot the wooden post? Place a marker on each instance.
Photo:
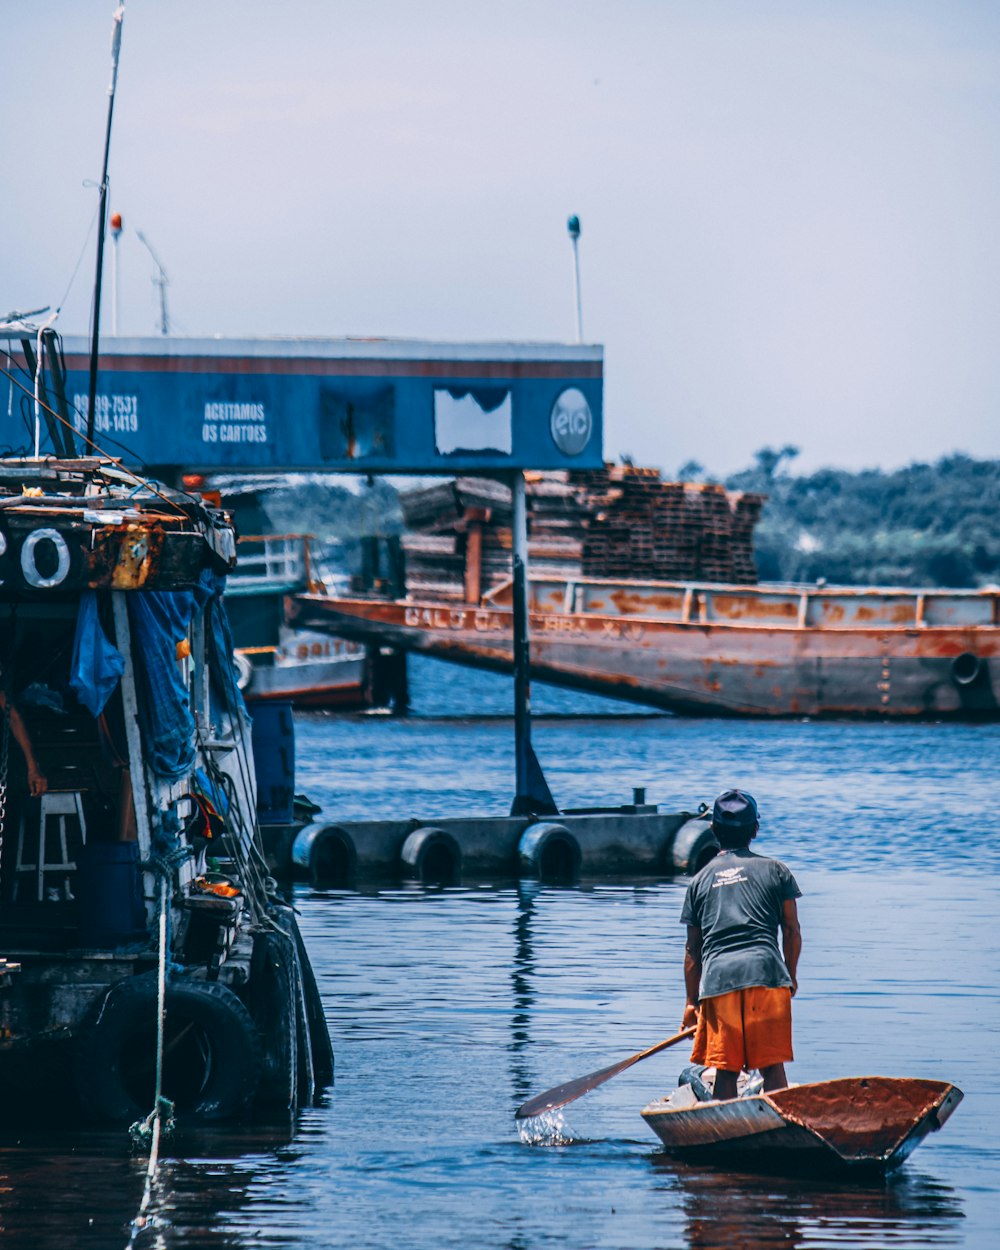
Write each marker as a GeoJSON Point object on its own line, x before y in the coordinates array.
{"type": "Point", "coordinates": [473, 523]}
{"type": "Point", "coordinates": [133, 738]}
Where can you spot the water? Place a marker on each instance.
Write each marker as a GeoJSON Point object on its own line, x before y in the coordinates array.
{"type": "Point", "coordinates": [448, 1008]}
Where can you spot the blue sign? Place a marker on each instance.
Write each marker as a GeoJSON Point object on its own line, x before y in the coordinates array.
{"type": "Point", "coordinates": [385, 406]}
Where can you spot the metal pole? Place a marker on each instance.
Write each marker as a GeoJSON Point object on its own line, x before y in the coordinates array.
{"type": "Point", "coordinates": [532, 794]}
{"type": "Point", "coordinates": [114, 287]}
{"type": "Point", "coordinates": [102, 214]}
{"type": "Point", "coordinates": [116, 234]}
{"type": "Point", "coordinates": [164, 320]}
{"type": "Point", "coordinates": [573, 226]}
{"type": "Point", "coordinates": [522, 688]}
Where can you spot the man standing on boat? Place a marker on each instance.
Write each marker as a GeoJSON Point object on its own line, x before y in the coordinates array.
{"type": "Point", "coordinates": [739, 989]}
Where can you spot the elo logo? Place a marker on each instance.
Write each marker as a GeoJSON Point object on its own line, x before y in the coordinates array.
{"type": "Point", "coordinates": [571, 422]}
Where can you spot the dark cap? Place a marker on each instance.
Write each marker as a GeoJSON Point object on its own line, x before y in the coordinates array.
{"type": "Point", "coordinates": [735, 810]}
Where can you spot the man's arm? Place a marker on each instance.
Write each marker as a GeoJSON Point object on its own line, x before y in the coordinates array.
{"type": "Point", "coordinates": [37, 783]}
{"type": "Point", "coordinates": [791, 940]}
{"type": "Point", "coordinates": [692, 975]}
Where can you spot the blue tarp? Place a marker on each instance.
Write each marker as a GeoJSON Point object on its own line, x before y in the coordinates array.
{"type": "Point", "coordinates": [160, 620]}
{"type": "Point", "coordinates": [220, 645]}
{"type": "Point", "coordinates": [96, 665]}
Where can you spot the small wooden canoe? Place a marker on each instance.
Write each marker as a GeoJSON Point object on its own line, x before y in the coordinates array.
{"type": "Point", "coordinates": [868, 1123]}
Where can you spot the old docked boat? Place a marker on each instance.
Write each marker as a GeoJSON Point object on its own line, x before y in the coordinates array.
{"type": "Point", "coordinates": [646, 590]}
{"type": "Point", "coordinates": [128, 816]}
{"type": "Point", "coordinates": [714, 649]}
{"type": "Point", "coordinates": [854, 1124]}
{"type": "Point", "coordinates": [276, 661]}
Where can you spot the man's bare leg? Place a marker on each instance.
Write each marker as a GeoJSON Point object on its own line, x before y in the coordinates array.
{"type": "Point", "coordinates": [725, 1084]}
{"type": "Point", "coordinates": [774, 1077]}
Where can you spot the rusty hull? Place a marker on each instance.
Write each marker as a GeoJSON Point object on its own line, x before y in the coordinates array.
{"type": "Point", "coordinates": [125, 549]}
{"type": "Point", "coordinates": [870, 1123]}
{"type": "Point", "coordinates": [741, 651]}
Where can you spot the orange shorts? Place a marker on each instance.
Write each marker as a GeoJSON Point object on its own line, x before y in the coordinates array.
{"type": "Point", "coordinates": [749, 1028]}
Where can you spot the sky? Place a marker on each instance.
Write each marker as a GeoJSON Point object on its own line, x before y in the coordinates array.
{"type": "Point", "coordinates": [789, 208]}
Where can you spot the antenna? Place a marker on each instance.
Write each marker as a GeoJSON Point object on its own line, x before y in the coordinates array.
{"type": "Point", "coordinates": [161, 281]}
{"type": "Point", "coordinates": [573, 227]}
{"type": "Point", "coordinates": [102, 219]}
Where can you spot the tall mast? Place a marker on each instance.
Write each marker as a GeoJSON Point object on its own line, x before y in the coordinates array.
{"type": "Point", "coordinates": [102, 213]}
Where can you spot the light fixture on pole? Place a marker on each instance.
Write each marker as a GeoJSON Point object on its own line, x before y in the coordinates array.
{"type": "Point", "coordinates": [573, 226]}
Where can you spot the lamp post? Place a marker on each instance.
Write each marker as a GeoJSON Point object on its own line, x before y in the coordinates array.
{"type": "Point", "coordinates": [116, 231]}
{"type": "Point", "coordinates": [573, 227]}
{"type": "Point", "coordinates": [161, 282]}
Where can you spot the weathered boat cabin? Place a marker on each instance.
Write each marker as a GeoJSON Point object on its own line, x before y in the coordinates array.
{"type": "Point", "coordinates": [128, 814]}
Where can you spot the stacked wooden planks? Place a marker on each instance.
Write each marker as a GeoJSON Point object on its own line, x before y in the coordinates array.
{"type": "Point", "coordinates": [615, 522]}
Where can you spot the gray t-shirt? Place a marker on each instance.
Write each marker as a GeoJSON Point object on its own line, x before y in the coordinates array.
{"type": "Point", "coordinates": [737, 901]}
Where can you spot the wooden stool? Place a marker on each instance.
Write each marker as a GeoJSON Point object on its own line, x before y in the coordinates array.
{"type": "Point", "coordinates": [54, 805]}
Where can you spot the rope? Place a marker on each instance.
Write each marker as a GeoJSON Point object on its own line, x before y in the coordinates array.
{"type": "Point", "coordinates": [160, 1119]}
{"type": "Point", "coordinates": [4, 759]}
{"type": "Point", "coordinates": [242, 840]}
{"type": "Point", "coordinates": [6, 668]}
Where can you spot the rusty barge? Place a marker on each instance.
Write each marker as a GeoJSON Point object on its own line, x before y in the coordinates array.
{"type": "Point", "coordinates": [715, 650]}
{"type": "Point", "coordinates": [646, 590]}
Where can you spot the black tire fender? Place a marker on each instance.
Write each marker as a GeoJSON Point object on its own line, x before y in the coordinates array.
{"type": "Point", "coordinates": [432, 856]}
{"type": "Point", "coordinates": [319, 1033]}
{"type": "Point", "coordinates": [327, 854]}
{"type": "Point", "coordinates": [549, 852]}
{"type": "Point", "coordinates": [967, 668]}
{"type": "Point", "coordinates": [694, 844]}
{"type": "Point", "coordinates": [214, 1056]}
{"type": "Point", "coordinates": [273, 1005]}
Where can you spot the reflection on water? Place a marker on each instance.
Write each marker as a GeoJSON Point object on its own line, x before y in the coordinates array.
{"type": "Point", "coordinates": [83, 1189]}
{"type": "Point", "coordinates": [736, 1211]}
{"type": "Point", "coordinates": [449, 1008]}
{"type": "Point", "coordinates": [749, 1211]}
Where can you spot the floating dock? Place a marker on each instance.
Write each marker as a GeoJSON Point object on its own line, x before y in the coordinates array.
{"type": "Point", "coordinates": [634, 840]}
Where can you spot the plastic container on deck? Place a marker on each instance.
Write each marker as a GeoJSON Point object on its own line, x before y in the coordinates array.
{"type": "Point", "coordinates": [109, 894]}
{"type": "Point", "coordinates": [274, 760]}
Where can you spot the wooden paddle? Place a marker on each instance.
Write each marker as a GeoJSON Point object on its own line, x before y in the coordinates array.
{"type": "Point", "coordinates": [570, 1090]}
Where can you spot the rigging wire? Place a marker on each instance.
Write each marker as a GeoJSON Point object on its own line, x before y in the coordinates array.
{"type": "Point", "coordinates": [160, 1119]}
{"type": "Point", "coordinates": [136, 477]}
{"type": "Point", "coordinates": [139, 479]}
{"type": "Point", "coordinates": [83, 252]}
{"type": "Point", "coordinates": [245, 844]}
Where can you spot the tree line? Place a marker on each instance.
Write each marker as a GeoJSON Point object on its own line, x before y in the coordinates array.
{"type": "Point", "coordinates": [922, 525]}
